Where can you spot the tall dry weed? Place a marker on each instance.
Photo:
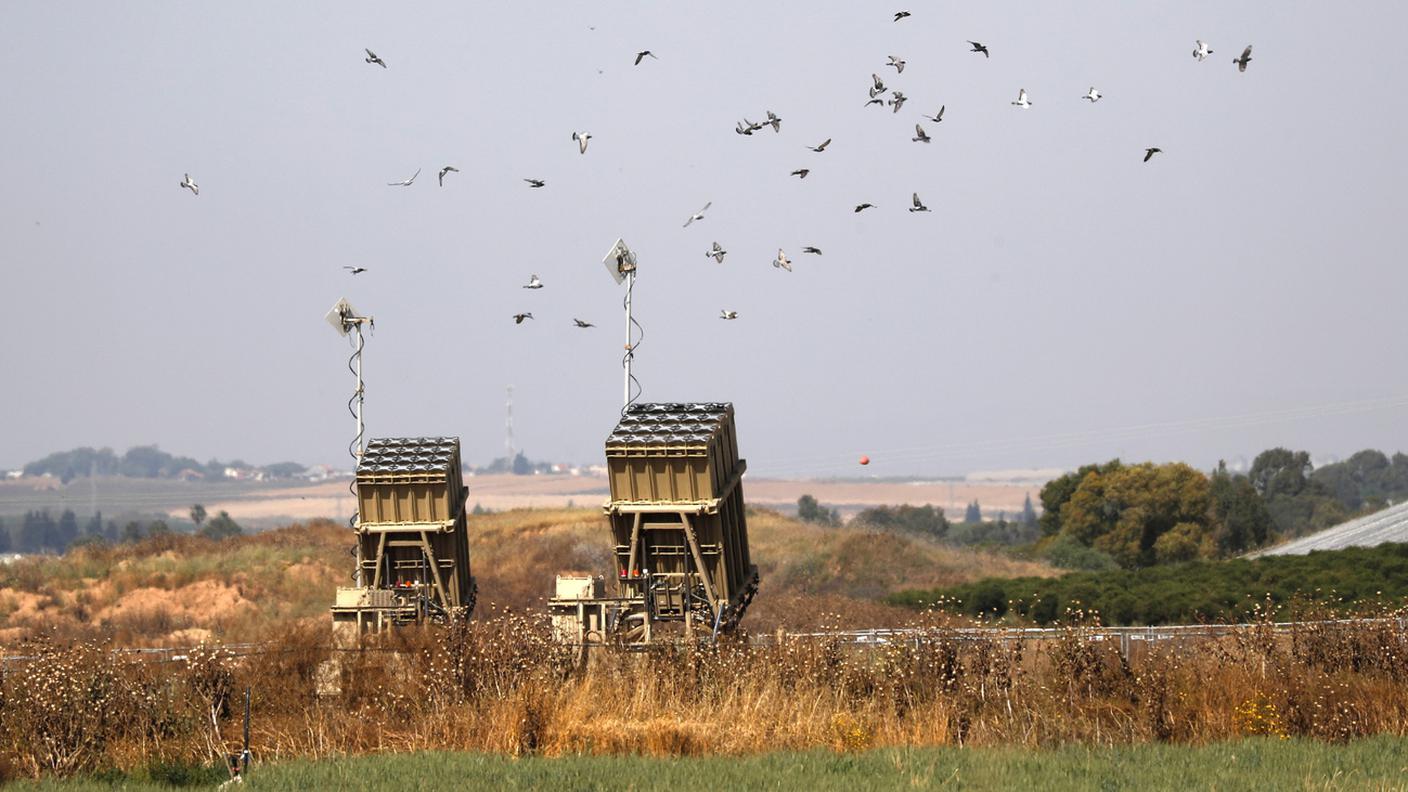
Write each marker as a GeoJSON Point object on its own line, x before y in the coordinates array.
{"type": "Point", "coordinates": [499, 684]}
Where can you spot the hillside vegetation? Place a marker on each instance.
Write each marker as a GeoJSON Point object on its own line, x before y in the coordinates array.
{"type": "Point", "coordinates": [1353, 580]}
{"type": "Point", "coordinates": [185, 589]}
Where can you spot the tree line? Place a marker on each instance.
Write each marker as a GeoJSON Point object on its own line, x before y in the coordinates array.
{"type": "Point", "coordinates": [143, 462]}
{"type": "Point", "coordinates": [1118, 515]}
{"type": "Point", "coordinates": [930, 522]}
{"type": "Point", "coordinates": [40, 532]}
{"type": "Point", "coordinates": [1138, 515]}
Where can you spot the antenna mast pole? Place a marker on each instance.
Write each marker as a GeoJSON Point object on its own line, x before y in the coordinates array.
{"type": "Point", "coordinates": [344, 319]}
{"type": "Point", "coordinates": [361, 393]}
{"type": "Point", "coordinates": [621, 264]}
{"type": "Point", "coordinates": [630, 348]}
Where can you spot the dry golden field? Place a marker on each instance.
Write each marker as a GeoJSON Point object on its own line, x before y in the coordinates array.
{"type": "Point", "coordinates": [73, 700]}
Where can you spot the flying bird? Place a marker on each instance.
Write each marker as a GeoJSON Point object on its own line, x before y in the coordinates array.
{"type": "Point", "coordinates": [748, 127]}
{"type": "Point", "coordinates": [801, 173]}
{"type": "Point", "coordinates": [445, 170]}
{"type": "Point", "coordinates": [716, 252]}
{"type": "Point", "coordinates": [901, 15]}
{"type": "Point", "coordinates": [820, 148]}
{"type": "Point", "coordinates": [535, 182]}
{"type": "Point", "coordinates": [879, 86]}
{"type": "Point", "coordinates": [1201, 51]}
{"type": "Point", "coordinates": [407, 182]}
{"type": "Point", "coordinates": [816, 251]}
{"type": "Point", "coordinates": [581, 138]}
{"type": "Point", "coordinates": [864, 206]}
{"type": "Point", "coordinates": [937, 118]}
{"type": "Point", "coordinates": [727, 314]}
{"type": "Point", "coordinates": [1022, 100]}
{"type": "Point", "coordinates": [775, 121]}
{"type": "Point", "coordinates": [190, 185]}
{"type": "Point", "coordinates": [518, 318]}
{"type": "Point", "coordinates": [534, 282]}
{"type": "Point", "coordinates": [699, 215]}
{"type": "Point", "coordinates": [641, 55]}
{"type": "Point", "coordinates": [876, 101]}
{"type": "Point", "coordinates": [1093, 95]}
{"type": "Point", "coordinates": [898, 63]}
{"type": "Point", "coordinates": [1244, 60]}
{"type": "Point", "coordinates": [372, 58]}
{"type": "Point", "coordinates": [354, 270]}
{"type": "Point", "coordinates": [898, 100]}
{"type": "Point", "coordinates": [1150, 152]}
{"type": "Point", "coordinates": [580, 323]}
{"type": "Point", "coordinates": [918, 205]}
{"type": "Point", "coordinates": [782, 261]}
{"type": "Point", "coordinates": [979, 48]}
{"type": "Point", "coordinates": [920, 136]}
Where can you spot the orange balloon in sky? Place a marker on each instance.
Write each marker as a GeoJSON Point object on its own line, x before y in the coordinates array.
{"type": "Point", "coordinates": [865, 460]}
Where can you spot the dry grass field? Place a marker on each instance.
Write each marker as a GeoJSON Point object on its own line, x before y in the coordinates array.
{"type": "Point", "coordinates": [77, 703]}
{"type": "Point", "coordinates": [499, 686]}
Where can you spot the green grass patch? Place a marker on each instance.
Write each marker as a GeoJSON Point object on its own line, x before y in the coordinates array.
{"type": "Point", "coordinates": [1256, 764]}
{"type": "Point", "coordinates": [1349, 580]}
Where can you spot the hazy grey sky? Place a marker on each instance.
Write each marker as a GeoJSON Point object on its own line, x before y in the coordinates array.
{"type": "Point", "coordinates": [1061, 291]}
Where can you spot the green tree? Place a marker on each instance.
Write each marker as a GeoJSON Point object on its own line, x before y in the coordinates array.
{"type": "Point", "coordinates": [926, 520]}
{"type": "Point", "coordinates": [67, 529]}
{"type": "Point", "coordinates": [158, 528]}
{"type": "Point", "coordinates": [973, 514]}
{"type": "Point", "coordinates": [5, 543]}
{"type": "Point", "coordinates": [1060, 489]}
{"type": "Point", "coordinates": [94, 526]}
{"type": "Point", "coordinates": [37, 532]}
{"type": "Point", "coordinates": [521, 465]}
{"type": "Point", "coordinates": [1241, 517]}
{"type": "Point", "coordinates": [198, 515]}
{"type": "Point", "coordinates": [1280, 471]}
{"type": "Point", "coordinates": [1367, 479]}
{"type": "Point", "coordinates": [1124, 512]}
{"type": "Point", "coordinates": [1067, 553]}
{"type": "Point", "coordinates": [808, 510]}
{"type": "Point", "coordinates": [133, 532]}
{"type": "Point", "coordinates": [1028, 511]}
{"type": "Point", "coordinates": [1298, 504]}
{"type": "Point", "coordinates": [221, 526]}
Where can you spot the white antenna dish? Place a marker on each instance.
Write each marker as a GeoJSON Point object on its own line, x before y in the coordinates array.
{"type": "Point", "coordinates": [619, 261]}
{"type": "Point", "coordinates": [340, 317]}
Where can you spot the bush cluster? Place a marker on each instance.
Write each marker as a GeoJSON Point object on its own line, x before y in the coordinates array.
{"type": "Point", "coordinates": [1198, 591]}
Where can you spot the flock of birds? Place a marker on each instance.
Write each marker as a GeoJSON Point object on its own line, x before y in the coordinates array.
{"type": "Point", "coordinates": [877, 91]}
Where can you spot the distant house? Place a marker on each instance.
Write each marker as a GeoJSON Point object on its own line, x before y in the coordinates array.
{"type": "Point", "coordinates": [243, 474]}
{"type": "Point", "coordinates": [319, 473]}
{"type": "Point", "coordinates": [190, 474]}
{"type": "Point", "coordinates": [14, 474]}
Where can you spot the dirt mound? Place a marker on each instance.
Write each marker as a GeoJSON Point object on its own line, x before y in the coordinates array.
{"type": "Point", "coordinates": [204, 602]}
